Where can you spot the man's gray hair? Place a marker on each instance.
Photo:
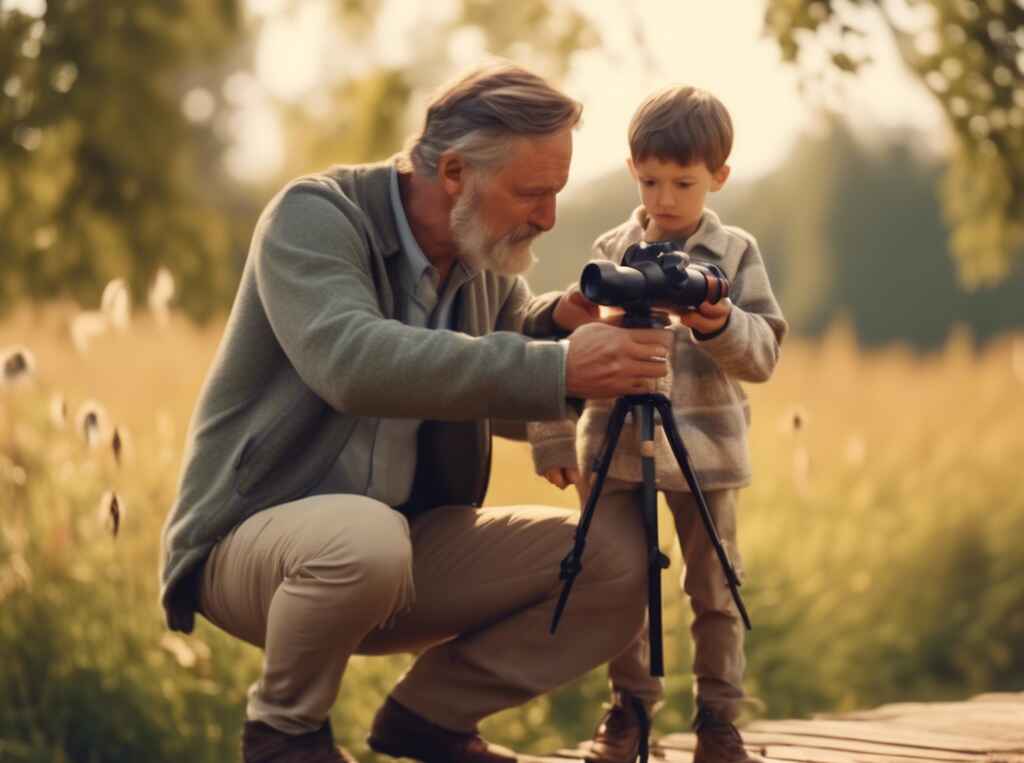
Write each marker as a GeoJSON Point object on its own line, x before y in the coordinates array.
{"type": "Point", "coordinates": [476, 115]}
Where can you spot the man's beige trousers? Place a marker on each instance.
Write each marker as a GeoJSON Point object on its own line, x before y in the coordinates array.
{"type": "Point", "coordinates": [317, 580]}
{"type": "Point", "coordinates": [717, 630]}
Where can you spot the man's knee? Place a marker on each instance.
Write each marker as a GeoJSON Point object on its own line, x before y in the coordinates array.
{"type": "Point", "coordinates": [364, 550]}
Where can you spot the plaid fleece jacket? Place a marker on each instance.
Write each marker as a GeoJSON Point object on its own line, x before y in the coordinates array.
{"type": "Point", "coordinates": [710, 407]}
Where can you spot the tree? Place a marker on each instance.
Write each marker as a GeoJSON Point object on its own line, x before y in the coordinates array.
{"type": "Point", "coordinates": [970, 56]}
{"type": "Point", "coordinates": [107, 131]}
{"type": "Point", "coordinates": [367, 116]}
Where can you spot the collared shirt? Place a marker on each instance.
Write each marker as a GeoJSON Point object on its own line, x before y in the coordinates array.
{"type": "Point", "coordinates": [380, 458]}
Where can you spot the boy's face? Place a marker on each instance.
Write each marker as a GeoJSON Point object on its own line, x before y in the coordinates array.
{"type": "Point", "coordinates": [673, 194]}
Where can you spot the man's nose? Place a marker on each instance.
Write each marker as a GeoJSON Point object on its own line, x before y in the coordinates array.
{"type": "Point", "coordinates": [543, 216]}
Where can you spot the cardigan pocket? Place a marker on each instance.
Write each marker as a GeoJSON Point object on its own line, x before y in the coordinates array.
{"type": "Point", "coordinates": [285, 459]}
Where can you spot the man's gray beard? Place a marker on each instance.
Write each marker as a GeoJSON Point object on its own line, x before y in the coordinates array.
{"type": "Point", "coordinates": [510, 255]}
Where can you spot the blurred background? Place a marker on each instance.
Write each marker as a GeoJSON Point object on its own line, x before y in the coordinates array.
{"type": "Point", "coordinates": [879, 160]}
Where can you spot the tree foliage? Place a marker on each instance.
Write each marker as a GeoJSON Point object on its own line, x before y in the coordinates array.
{"type": "Point", "coordinates": [103, 173]}
{"type": "Point", "coordinates": [366, 114]}
{"type": "Point", "coordinates": [115, 118]}
{"type": "Point", "coordinates": [970, 56]}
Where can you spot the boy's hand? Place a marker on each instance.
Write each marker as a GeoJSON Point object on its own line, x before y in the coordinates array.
{"type": "Point", "coordinates": [707, 318]}
{"type": "Point", "coordinates": [573, 310]}
{"type": "Point", "coordinates": [562, 478]}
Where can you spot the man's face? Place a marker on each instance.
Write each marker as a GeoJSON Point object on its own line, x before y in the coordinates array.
{"type": "Point", "coordinates": [673, 194]}
{"type": "Point", "coordinates": [498, 214]}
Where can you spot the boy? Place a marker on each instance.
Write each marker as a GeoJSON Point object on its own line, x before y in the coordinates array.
{"type": "Point", "coordinates": [679, 141]}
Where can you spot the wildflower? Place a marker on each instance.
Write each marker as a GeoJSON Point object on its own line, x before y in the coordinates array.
{"type": "Point", "coordinates": [179, 648]}
{"type": "Point", "coordinates": [59, 411]}
{"type": "Point", "coordinates": [115, 304]}
{"type": "Point", "coordinates": [91, 422]}
{"type": "Point", "coordinates": [793, 421]}
{"type": "Point", "coordinates": [111, 511]}
{"type": "Point", "coordinates": [85, 327]}
{"type": "Point", "coordinates": [116, 445]}
{"type": "Point", "coordinates": [160, 295]}
{"type": "Point", "coordinates": [19, 366]}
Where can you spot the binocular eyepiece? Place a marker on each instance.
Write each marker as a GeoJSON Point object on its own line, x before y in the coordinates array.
{"type": "Point", "coordinates": [655, 275]}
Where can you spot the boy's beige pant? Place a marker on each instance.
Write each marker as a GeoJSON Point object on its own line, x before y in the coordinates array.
{"type": "Point", "coordinates": [717, 630]}
{"type": "Point", "coordinates": [317, 580]}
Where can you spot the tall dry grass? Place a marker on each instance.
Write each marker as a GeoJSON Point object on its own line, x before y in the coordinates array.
{"type": "Point", "coordinates": [879, 540]}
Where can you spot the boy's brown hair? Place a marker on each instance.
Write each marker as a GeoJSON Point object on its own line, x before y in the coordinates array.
{"type": "Point", "coordinates": [685, 125]}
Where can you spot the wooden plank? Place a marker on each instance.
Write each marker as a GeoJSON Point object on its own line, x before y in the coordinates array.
{"type": "Point", "coordinates": [869, 731]}
{"type": "Point", "coordinates": [755, 740]}
{"type": "Point", "coordinates": [819, 755]}
{"type": "Point", "coordinates": [991, 721]}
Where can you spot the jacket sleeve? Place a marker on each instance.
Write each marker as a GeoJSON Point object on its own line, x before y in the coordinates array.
{"type": "Point", "coordinates": [553, 443]}
{"type": "Point", "coordinates": [528, 314]}
{"type": "Point", "coordinates": [748, 347]}
{"type": "Point", "coordinates": [313, 275]}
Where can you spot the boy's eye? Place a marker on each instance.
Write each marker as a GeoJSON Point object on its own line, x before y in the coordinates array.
{"type": "Point", "coordinates": [682, 184]}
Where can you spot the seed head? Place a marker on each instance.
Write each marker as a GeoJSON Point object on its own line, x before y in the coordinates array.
{"type": "Point", "coordinates": [18, 364]}
{"type": "Point", "coordinates": [111, 511]}
{"type": "Point", "coordinates": [91, 423]}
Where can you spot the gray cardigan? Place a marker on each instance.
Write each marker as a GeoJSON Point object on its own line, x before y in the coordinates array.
{"type": "Point", "coordinates": [311, 344]}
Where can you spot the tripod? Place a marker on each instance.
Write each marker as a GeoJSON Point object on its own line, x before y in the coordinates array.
{"type": "Point", "coordinates": [643, 407]}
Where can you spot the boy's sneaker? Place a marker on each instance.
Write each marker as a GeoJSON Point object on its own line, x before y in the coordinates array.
{"type": "Point", "coordinates": [623, 733]}
{"type": "Point", "coordinates": [718, 741]}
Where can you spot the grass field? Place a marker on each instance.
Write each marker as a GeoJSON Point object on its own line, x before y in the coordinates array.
{"type": "Point", "coordinates": [880, 538]}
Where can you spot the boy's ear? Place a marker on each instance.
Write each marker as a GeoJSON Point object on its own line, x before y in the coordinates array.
{"type": "Point", "coordinates": [719, 176]}
{"type": "Point", "coordinates": [631, 166]}
{"type": "Point", "coordinates": [451, 171]}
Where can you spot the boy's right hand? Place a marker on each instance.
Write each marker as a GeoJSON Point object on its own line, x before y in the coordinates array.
{"type": "Point", "coordinates": [606, 361]}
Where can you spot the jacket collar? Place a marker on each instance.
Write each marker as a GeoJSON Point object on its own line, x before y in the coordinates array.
{"type": "Point", "coordinates": [709, 234]}
{"type": "Point", "coordinates": [369, 188]}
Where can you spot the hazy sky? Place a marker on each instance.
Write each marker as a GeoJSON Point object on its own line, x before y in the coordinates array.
{"type": "Point", "coordinates": [716, 45]}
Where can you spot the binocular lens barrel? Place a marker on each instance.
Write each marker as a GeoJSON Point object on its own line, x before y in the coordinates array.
{"type": "Point", "coordinates": [605, 283]}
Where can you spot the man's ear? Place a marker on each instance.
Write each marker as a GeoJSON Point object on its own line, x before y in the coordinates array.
{"type": "Point", "coordinates": [719, 176]}
{"type": "Point", "coordinates": [451, 171]}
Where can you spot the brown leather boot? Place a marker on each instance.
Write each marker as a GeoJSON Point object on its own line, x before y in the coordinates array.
{"type": "Point", "coordinates": [399, 732]}
{"type": "Point", "coordinates": [718, 741]}
{"type": "Point", "coordinates": [265, 744]}
{"type": "Point", "coordinates": [623, 733]}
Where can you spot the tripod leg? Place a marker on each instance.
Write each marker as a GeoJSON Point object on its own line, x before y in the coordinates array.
{"type": "Point", "coordinates": [572, 563]}
{"type": "Point", "coordinates": [675, 440]}
{"type": "Point", "coordinates": [656, 561]}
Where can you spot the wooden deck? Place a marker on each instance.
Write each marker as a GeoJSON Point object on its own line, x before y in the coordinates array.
{"type": "Point", "coordinates": [988, 728]}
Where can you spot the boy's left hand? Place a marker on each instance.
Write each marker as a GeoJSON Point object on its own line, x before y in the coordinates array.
{"type": "Point", "coordinates": [707, 318]}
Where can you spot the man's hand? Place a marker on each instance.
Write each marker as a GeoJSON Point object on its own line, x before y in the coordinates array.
{"type": "Point", "coordinates": [573, 310]}
{"type": "Point", "coordinates": [707, 318]}
{"type": "Point", "coordinates": [605, 361]}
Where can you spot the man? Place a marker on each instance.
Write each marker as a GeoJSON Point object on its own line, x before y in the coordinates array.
{"type": "Point", "coordinates": [330, 497]}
